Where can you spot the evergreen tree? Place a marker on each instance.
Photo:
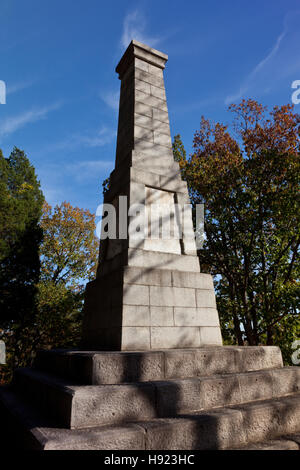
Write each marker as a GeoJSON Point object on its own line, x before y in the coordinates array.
{"type": "Point", "coordinates": [21, 203]}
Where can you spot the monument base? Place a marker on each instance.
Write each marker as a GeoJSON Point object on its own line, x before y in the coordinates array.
{"type": "Point", "coordinates": [191, 399]}
{"type": "Point", "coordinates": [133, 308]}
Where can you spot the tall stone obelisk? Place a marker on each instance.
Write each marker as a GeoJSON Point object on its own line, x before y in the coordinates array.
{"type": "Point", "coordinates": [149, 292]}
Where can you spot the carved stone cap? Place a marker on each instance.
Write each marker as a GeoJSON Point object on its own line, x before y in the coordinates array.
{"type": "Point", "coordinates": [142, 52]}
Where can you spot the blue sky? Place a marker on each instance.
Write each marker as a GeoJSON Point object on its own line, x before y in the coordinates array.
{"type": "Point", "coordinates": [58, 60]}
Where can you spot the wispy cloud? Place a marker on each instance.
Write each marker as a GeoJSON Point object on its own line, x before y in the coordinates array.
{"type": "Point", "coordinates": [197, 104]}
{"type": "Point", "coordinates": [18, 86]}
{"type": "Point", "coordinates": [88, 169]}
{"type": "Point", "coordinates": [12, 124]}
{"type": "Point", "coordinates": [57, 178]}
{"type": "Point", "coordinates": [53, 195]}
{"type": "Point", "coordinates": [249, 80]}
{"type": "Point", "coordinates": [102, 137]}
{"type": "Point", "coordinates": [134, 27]}
{"type": "Point", "coordinates": [111, 99]}
{"type": "Point", "coordinates": [266, 65]}
{"type": "Point", "coordinates": [99, 138]}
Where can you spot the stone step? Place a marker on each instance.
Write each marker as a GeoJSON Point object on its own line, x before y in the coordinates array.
{"type": "Point", "coordinates": [231, 427]}
{"type": "Point", "coordinates": [25, 428]}
{"type": "Point", "coordinates": [78, 406]}
{"type": "Point", "coordinates": [95, 368]}
{"type": "Point", "coordinates": [290, 442]}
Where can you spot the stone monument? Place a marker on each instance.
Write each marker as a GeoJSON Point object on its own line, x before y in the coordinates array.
{"type": "Point", "coordinates": [149, 292]}
{"type": "Point", "coordinates": [154, 374]}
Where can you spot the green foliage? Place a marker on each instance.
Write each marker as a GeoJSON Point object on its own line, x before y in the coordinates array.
{"type": "Point", "coordinates": [58, 322]}
{"type": "Point", "coordinates": [45, 259]}
{"type": "Point", "coordinates": [21, 203]}
{"type": "Point", "coordinates": [20, 236]}
{"type": "Point", "coordinates": [178, 149]}
{"type": "Point", "coordinates": [68, 259]}
{"type": "Point", "coordinates": [69, 248]}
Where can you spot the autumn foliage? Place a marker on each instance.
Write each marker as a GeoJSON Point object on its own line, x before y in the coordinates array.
{"type": "Point", "coordinates": [50, 269]}
{"type": "Point", "coordinates": [248, 178]}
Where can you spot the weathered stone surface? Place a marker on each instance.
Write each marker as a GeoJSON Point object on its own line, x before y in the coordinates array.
{"type": "Point", "coordinates": [193, 280]}
{"type": "Point", "coordinates": [149, 78]}
{"type": "Point", "coordinates": [121, 438]}
{"type": "Point", "coordinates": [220, 390]}
{"type": "Point", "coordinates": [153, 269]}
{"type": "Point", "coordinates": [112, 403]}
{"type": "Point", "coordinates": [116, 367]}
{"type": "Point", "coordinates": [143, 109]}
{"type": "Point", "coordinates": [172, 296]}
{"type": "Point", "coordinates": [28, 430]}
{"type": "Point", "coordinates": [136, 338]}
{"type": "Point", "coordinates": [133, 315]}
{"type": "Point", "coordinates": [210, 335]}
{"type": "Point", "coordinates": [162, 316]}
{"type": "Point", "coordinates": [111, 368]}
{"type": "Point", "coordinates": [256, 386]}
{"type": "Point", "coordinates": [150, 100]}
{"type": "Point", "coordinates": [160, 115]}
{"type": "Point", "coordinates": [142, 86]}
{"type": "Point", "coordinates": [195, 316]}
{"type": "Point", "coordinates": [175, 397]}
{"type": "Point", "coordinates": [135, 294]}
{"type": "Point", "coordinates": [158, 260]}
{"type": "Point", "coordinates": [205, 298]}
{"type": "Point", "coordinates": [162, 139]}
{"type": "Point", "coordinates": [224, 428]}
{"type": "Point", "coordinates": [268, 419]}
{"type": "Point", "coordinates": [85, 406]}
{"type": "Point", "coordinates": [285, 381]}
{"type": "Point", "coordinates": [145, 177]}
{"type": "Point", "coordinates": [153, 277]}
{"type": "Point", "coordinates": [174, 337]}
{"type": "Point", "coordinates": [214, 430]}
{"type": "Point", "coordinates": [159, 92]}
{"type": "Point", "coordinates": [250, 358]}
{"type": "Point", "coordinates": [275, 444]}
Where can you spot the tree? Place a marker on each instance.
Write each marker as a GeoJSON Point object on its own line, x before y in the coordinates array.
{"type": "Point", "coordinates": [178, 149]}
{"type": "Point", "coordinates": [68, 259]}
{"type": "Point", "coordinates": [250, 187]}
{"type": "Point", "coordinates": [21, 203]}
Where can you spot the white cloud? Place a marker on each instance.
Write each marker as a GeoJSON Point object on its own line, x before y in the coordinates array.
{"type": "Point", "coordinates": [111, 98]}
{"type": "Point", "coordinates": [247, 83]}
{"type": "Point", "coordinates": [86, 170]}
{"type": "Point", "coordinates": [267, 70]}
{"type": "Point", "coordinates": [134, 27]}
{"type": "Point", "coordinates": [102, 137]}
{"type": "Point", "coordinates": [14, 123]}
{"type": "Point", "coordinates": [15, 87]}
{"type": "Point", "coordinates": [53, 195]}
{"type": "Point", "coordinates": [98, 139]}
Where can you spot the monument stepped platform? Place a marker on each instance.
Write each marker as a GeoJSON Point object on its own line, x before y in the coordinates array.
{"type": "Point", "coordinates": [154, 400]}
